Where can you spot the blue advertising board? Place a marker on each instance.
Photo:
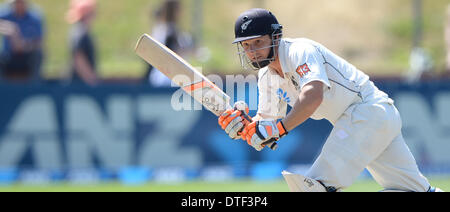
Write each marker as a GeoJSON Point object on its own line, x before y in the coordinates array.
{"type": "Point", "coordinates": [111, 128]}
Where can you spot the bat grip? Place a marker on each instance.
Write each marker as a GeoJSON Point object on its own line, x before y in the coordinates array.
{"type": "Point", "coordinates": [272, 144]}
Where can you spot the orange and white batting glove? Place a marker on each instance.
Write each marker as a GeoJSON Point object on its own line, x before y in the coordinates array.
{"type": "Point", "coordinates": [234, 120]}
{"type": "Point", "coordinates": [260, 133]}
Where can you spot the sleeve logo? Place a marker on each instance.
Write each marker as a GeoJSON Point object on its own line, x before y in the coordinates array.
{"type": "Point", "coordinates": [302, 70]}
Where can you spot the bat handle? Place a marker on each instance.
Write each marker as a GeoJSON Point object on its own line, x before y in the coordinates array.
{"type": "Point", "coordinates": [272, 144]}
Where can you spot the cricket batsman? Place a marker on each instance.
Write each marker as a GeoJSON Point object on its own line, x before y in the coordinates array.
{"type": "Point", "coordinates": [318, 84]}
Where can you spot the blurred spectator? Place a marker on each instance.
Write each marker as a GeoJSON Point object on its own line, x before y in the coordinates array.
{"type": "Point", "coordinates": [83, 50]}
{"type": "Point", "coordinates": [420, 65]}
{"type": "Point", "coordinates": [22, 29]}
{"type": "Point", "coordinates": [447, 39]}
{"type": "Point", "coordinates": [166, 30]}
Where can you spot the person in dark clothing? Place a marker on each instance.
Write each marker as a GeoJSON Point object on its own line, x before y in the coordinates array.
{"type": "Point", "coordinates": [166, 31]}
{"type": "Point", "coordinates": [83, 50]}
{"type": "Point", "coordinates": [22, 29]}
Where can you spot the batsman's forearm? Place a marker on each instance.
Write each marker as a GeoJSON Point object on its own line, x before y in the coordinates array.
{"type": "Point", "coordinates": [298, 114]}
{"type": "Point", "coordinates": [304, 107]}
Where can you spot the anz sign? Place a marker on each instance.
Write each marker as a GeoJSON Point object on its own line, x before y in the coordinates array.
{"type": "Point", "coordinates": [97, 134]}
{"type": "Point", "coordinates": [56, 127]}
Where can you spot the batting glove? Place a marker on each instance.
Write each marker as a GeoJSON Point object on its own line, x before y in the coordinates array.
{"type": "Point", "coordinates": [260, 133]}
{"type": "Point", "coordinates": [234, 120]}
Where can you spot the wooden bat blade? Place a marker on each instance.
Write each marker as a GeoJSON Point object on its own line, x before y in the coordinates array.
{"type": "Point", "coordinates": [183, 74]}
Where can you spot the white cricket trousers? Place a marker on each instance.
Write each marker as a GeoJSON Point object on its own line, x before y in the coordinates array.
{"type": "Point", "coordinates": [368, 135]}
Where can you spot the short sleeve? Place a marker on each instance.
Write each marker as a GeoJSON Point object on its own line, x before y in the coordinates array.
{"type": "Point", "coordinates": [40, 29]}
{"type": "Point", "coordinates": [78, 39]}
{"type": "Point", "coordinates": [307, 63]}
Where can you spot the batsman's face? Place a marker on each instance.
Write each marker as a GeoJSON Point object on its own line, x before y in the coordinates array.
{"type": "Point", "coordinates": [258, 48]}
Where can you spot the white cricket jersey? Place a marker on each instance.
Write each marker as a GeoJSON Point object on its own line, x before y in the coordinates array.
{"type": "Point", "coordinates": [303, 61]}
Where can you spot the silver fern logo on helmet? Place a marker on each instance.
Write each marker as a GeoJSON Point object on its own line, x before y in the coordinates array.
{"type": "Point", "coordinates": [245, 25]}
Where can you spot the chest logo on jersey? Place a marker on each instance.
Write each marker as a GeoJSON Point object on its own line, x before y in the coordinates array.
{"type": "Point", "coordinates": [302, 70]}
{"type": "Point", "coordinates": [282, 95]}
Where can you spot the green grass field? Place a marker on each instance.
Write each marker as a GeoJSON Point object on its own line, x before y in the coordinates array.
{"type": "Point", "coordinates": [197, 186]}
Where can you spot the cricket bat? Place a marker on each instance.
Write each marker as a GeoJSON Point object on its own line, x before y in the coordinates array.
{"type": "Point", "coordinates": [186, 76]}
